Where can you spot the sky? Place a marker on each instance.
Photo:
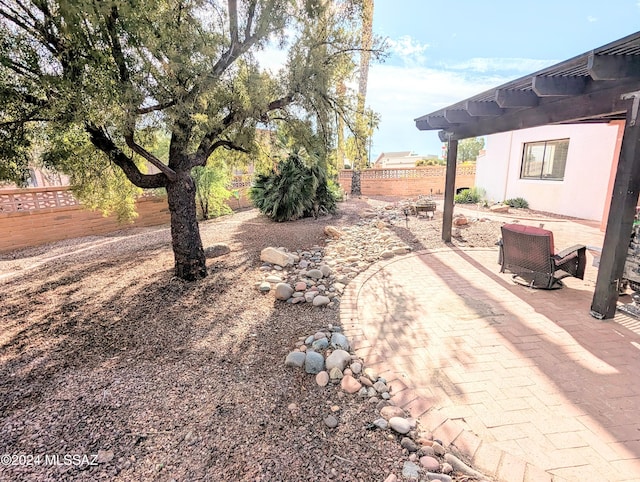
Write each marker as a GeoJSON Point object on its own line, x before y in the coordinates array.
{"type": "Point", "coordinates": [442, 52]}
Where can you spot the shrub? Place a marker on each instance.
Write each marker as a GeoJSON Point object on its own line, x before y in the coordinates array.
{"type": "Point", "coordinates": [469, 196]}
{"type": "Point", "coordinates": [292, 191]}
{"type": "Point", "coordinates": [517, 202]}
{"type": "Point", "coordinates": [211, 191]}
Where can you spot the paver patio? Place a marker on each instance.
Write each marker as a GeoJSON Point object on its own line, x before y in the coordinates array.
{"type": "Point", "coordinates": [525, 383]}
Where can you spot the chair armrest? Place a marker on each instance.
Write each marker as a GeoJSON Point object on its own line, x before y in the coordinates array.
{"type": "Point", "coordinates": [569, 251]}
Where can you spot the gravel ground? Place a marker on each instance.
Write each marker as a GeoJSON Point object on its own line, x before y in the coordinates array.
{"type": "Point", "coordinates": [103, 351]}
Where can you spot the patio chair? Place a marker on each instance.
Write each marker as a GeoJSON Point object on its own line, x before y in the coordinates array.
{"type": "Point", "coordinates": [528, 253]}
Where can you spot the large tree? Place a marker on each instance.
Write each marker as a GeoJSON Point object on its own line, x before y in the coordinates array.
{"type": "Point", "coordinates": [97, 76]}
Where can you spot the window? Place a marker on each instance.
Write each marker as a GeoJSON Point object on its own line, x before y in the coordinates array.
{"type": "Point", "coordinates": [545, 160]}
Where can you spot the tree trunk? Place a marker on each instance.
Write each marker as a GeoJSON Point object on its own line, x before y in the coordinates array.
{"type": "Point", "coordinates": [190, 262]}
{"type": "Point", "coordinates": [356, 187]}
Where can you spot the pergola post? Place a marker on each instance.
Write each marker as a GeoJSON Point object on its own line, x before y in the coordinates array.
{"type": "Point", "coordinates": [620, 221]}
{"type": "Point", "coordinates": [449, 189]}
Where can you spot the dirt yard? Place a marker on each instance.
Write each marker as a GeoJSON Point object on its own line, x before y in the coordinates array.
{"type": "Point", "coordinates": [103, 351]}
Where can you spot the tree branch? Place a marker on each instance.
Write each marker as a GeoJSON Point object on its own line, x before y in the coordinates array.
{"type": "Point", "coordinates": [233, 22]}
{"type": "Point", "coordinates": [153, 108]}
{"type": "Point", "coordinates": [141, 151]}
{"type": "Point", "coordinates": [101, 141]}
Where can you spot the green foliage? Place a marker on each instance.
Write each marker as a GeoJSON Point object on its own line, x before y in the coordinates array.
{"type": "Point", "coordinates": [470, 196]}
{"type": "Point", "coordinates": [469, 149]}
{"type": "Point", "coordinates": [96, 181]}
{"type": "Point", "coordinates": [517, 202]}
{"type": "Point", "coordinates": [211, 190]}
{"type": "Point", "coordinates": [293, 190]}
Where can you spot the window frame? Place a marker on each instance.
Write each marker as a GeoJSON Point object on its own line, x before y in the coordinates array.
{"type": "Point", "coordinates": [541, 176]}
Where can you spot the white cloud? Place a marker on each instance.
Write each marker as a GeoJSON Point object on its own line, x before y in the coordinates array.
{"type": "Point", "coordinates": [401, 94]}
{"type": "Point", "coordinates": [483, 64]}
{"type": "Point", "coordinates": [592, 19]}
{"type": "Point", "coordinates": [409, 50]}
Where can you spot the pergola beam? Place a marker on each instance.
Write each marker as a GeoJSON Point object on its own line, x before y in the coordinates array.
{"type": "Point", "coordinates": [544, 86]}
{"type": "Point", "coordinates": [516, 98]}
{"type": "Point", "coordinates": [595, 104]}
{"type": "Point", "coordinates": [483, 108]}
{"type": "Point", "coordinates": [457, 116]}
{"type": "Point", "coordinates": [613, 67]}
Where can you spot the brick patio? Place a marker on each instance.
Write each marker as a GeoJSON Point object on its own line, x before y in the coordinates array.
{"type": "Point", "coordinates": [524, 383]}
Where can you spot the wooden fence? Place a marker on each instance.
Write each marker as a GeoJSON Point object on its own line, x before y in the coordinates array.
{"type": "Point", "coordinates": [409, 182]}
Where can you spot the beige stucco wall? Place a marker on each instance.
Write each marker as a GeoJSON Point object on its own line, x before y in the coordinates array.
{"type": "Point", "coordinates": [582, 193]}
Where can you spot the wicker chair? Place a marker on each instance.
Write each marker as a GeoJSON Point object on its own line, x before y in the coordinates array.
{"type": "Point", "coordinates": [528, 253]}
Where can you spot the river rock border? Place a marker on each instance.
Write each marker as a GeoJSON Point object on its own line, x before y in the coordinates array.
{"type": "Point", "coordinates": [319, 275]}
{"type": "Point", "coordinates": [326, 354]}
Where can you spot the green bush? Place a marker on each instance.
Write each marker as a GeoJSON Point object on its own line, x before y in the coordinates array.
{"type": "Point", "coordinates": [469, 196]}
{"type": "Point", "coordinates": [517, 202]}
{"type": "Point", "coordinates": [293, 190]}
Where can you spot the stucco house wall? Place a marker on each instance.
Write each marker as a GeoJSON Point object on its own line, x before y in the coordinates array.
{"type": "Point", "coordinates": [583, 191]}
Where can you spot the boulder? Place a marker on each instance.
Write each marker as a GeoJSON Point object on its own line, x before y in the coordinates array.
{"type": "Point", "coordinates": [338, 358]}
{"type": "Point", "coordinates": [283, 291]}
{"type": "Point", "coordinates": [276, 256]}
{"type": "Point", "coordinates": [499, 208]}
{"type": "Point", "coordinates": [216, 250]}
{"type": "Point", "coordinates": [333, 232]}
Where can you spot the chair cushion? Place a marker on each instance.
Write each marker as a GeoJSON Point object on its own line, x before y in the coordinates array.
{"type": "Point", "coordinates": [522, 228]}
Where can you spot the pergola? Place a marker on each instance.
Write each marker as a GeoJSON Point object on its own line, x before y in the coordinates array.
{"type": "Point", "coordinates": [598, 86]}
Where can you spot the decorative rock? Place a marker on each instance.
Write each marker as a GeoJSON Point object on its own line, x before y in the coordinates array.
{"type": "Point", "coordinates": [387, 253]}
{"type": "Point", "coordinates": [430, 463]}
{"type": "Point", "coordinates": [362, 392]}
{"type": "Point", "coordinates": [276, 256]}
{"type": "Point", "coordinates": [446, 468]}
{"type": "Point", "coordinates": [372, 374]}
{"type": "Point", "coordinates": [385, 395]}
{"type": "Point", "coordinates": [380, 387]}
{"type": "Point", "coordinates": [381, 423]}
{"type": "Point", "coordinates": [499, 208]}
{"type": "Point", "coordinates": [333, 232]}
{"type": "Point", "coordinates": [371, 392]}
{"type": "Point", "coordinates": [350, 384]}
{"type": "Point", "coordinates": [438, 449]}
{"type": "Point", "coordinates": [314, 273]}
{"type": "Point", "coordinates": [391, 478]}
{"type": "Point", "coordinates": [459, 466]}
{"type": "Point", "coordinates": [264, 286]}
{"type": "Point", "coordinates": [427, 450]}
{"type": "Point", "coordinates": [440, 477]}
{"type": "Point", "coordinates": [410, 471]}
{"type": "Point", "coordinates": [273, 279]}
{"type": "Point", "coordinates": [322, 378]}
{"type": "Point", "coordinates": [283, 291]}
{"type": "Point", "coordinates": [217, 250]}
{"type": "Point", "coordinates": [321, 300]}
{"type": "Point", "coordinates": [320, 344]}
{"type": "Point", "coordinates": [400, 425]}
{"type": "Point", "coordinates": [318, 335]}
{"type": "Point", "coordinates": [356, 368]}
{"type": "Point", "coordinates": [313, 363]}
{"type": "Point", "coordinates": [331, 421]}
{"type": "Point", "coordinates": [292, 407]}
{"type": "Point", "coordinates": [460, 220]}
{"type": "Point", "coordinates": [410, 445]}
{"type": "Point", "coordinates": [325, 270]}
{"type": "Point", "coordinates": [400, 250]}
{"type": "Point", "coordinates": [366, 382]}
{"type": "Point", "coordinates": [310, 295]}
{"type": "Point", "coordinates": [338, 358]}
{"type": "Point", "coordinates": [300, 286]}
{"type": "Point", "coordinates": [295, 359]}
{"type": "Point", "coordinates": [335, 374]}
{"type": "Point", "coordinates": [391, 411]}
{"type": "Point", "coordinates": [338, 340]}
{"type": "Point", "coordinates": [310, 339]}
{"type": "Point", "coordinates": [347, 371]}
